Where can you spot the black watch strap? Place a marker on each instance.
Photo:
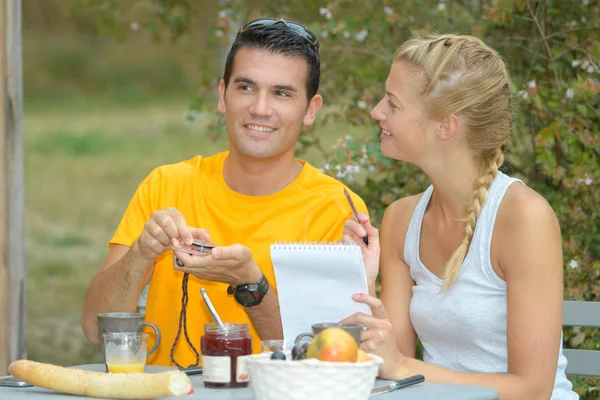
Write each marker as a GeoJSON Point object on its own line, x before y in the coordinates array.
{"type": "Point", "coordinates": [263, 285]}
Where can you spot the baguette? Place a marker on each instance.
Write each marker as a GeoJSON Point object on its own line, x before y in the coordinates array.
{"type": "Point", "coordinates": [80, 382]}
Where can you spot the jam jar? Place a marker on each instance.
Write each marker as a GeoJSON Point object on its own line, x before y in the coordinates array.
{"type": "Point", "coordinates": [223, 355]}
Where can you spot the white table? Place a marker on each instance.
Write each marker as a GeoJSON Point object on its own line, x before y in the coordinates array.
{"type": "Point", "coordinates": [421, 391]}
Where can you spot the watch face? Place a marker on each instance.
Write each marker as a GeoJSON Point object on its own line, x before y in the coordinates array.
{"type": "Point", "coordinates": [246, 297]}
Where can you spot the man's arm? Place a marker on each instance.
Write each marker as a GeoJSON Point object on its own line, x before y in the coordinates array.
{"type": "Point", "coordinates": [118, 284]}
{"type": "Point", "coordinates": [116, 287]}
{"type": "Point", "coordinates": [266, 317]}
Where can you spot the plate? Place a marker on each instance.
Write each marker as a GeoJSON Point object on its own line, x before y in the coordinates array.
{"type": "Point", "coordinates": [152, 369]}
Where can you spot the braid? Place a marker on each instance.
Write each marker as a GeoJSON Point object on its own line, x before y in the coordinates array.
{"type": "Point", "coordinates": [480, 192]}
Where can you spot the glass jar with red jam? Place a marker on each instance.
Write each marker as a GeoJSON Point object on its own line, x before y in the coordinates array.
{"type": "Point", "coordinates": [223, 355]}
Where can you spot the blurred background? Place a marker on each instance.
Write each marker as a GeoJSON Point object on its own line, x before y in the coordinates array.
{"type": "Point", "coordinates": [113, 89]}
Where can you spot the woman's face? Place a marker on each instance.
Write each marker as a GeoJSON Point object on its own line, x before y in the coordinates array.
{"type": "Point", "coordinates": [402, 117]}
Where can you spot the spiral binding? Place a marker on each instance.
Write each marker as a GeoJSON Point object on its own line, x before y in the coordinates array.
{"type": "Point", "coordinates": [313, 245]}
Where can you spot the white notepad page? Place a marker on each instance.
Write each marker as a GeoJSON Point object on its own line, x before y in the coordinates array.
{"type": "Point", "coordinates": [315, 283]}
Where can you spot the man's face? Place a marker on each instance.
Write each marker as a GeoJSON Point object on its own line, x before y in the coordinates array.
{"type": "Point", "coordinates": [265, 103]}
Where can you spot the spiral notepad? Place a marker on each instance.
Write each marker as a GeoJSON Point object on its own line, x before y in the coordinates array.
{"type": "Point", "coordinates": [315, 283]}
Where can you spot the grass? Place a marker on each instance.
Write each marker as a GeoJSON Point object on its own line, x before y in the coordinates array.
{"type": "Point", "coordinates": [81, 168]}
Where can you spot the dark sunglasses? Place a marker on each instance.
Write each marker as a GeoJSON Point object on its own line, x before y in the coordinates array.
{"type": "Point", "coordinates": [294, 26]}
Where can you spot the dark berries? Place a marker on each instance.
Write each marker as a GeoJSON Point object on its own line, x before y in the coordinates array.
{"type": "Point", "coordinates": [299, 351]}
{"type": "Point", "coordinates": [277, 355]}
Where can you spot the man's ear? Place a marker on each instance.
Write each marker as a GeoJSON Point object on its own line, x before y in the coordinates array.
{"type": "Point", "coordinates": [313, 108]}
{"type": "Point", "coordinates": [221, 102]}
{"type": "Point", "coordinates": [448, 127]}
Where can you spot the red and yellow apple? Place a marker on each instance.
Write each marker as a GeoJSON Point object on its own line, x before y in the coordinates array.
{"type": "Point", "coordinates": [333, 344]}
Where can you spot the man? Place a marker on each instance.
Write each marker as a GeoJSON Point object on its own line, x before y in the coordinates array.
{"type": "Point", "coordinates": [243, 200]}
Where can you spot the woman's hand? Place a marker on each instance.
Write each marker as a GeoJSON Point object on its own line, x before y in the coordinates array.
{"type": "Point", "coordinates": [354, 232]}
{"type": "Point", "coordinates": [378, 338]}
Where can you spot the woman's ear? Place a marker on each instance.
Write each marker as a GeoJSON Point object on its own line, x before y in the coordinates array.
{"type": "Point", "coordinates": [447, 127]}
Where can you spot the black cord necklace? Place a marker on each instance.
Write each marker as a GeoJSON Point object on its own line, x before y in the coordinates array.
{"type": "Point", "coordinates": [183, 323]}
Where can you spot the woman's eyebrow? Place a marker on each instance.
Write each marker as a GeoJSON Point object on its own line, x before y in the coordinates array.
{"type": "Point", "coordinates": [391, 94]}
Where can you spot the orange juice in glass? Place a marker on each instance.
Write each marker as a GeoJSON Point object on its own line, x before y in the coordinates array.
{"type": "Point", "coordinates": [125, 352]}
{"type": "Point", "coordinates": [124, 368]}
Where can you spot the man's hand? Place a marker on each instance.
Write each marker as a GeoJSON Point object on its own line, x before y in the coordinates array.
{"type": "Point", "coordinates": [230, 264]}
{"type": "Point", "coordinates": [234, 265]}
{"type": "Point", "coordinates": [162, 229]}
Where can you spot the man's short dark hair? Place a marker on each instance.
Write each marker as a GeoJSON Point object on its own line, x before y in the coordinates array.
{"type": "Point", "coordinates": [278, 39]}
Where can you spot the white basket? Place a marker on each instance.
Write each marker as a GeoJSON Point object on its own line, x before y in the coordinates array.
{"type": "Point", "coordinates": [311, 379]}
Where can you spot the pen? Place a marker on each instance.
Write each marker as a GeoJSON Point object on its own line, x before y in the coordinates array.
{"type": "Point", "coordinates": [355, 213]}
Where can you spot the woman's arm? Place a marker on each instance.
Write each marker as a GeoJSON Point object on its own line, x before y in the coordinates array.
{"type": "Point", "coordinates": [396, 291]}
{"type": "Point", "coordinates": [396, 283]}
{"type": "Point", "coordinates": [527, 237]}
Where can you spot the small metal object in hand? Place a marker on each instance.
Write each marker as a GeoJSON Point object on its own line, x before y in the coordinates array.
{"type": "Point", "coordinates": [197, 248]}
{"type": "Point", "coordinates": [354, 213]}
{"type": "Point", "coordinates": [203, 246]}
{"type": "Point", "coordinates": [412, 380]}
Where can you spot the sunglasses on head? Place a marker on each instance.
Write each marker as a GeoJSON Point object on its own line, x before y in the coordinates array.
{"type": "Point", "coordinates": [297, 28]}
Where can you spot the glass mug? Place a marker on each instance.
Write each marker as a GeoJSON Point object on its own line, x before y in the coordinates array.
{"type": "Point", "coordinates": [125, 352]}
{"type": "Point", "coordinates": [353, 329]}
{"type": "Point", "coordinates": [114, 322]}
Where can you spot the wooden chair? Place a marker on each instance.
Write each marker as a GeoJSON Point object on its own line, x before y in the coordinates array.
{"type": "Point", "coordinates": [584, 314]}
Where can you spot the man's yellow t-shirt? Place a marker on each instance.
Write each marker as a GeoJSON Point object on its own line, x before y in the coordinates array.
{"type": "Point", "coordinates": [311, 208]}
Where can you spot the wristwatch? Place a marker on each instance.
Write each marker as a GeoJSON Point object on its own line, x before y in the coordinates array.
{"type": "Point", "coordinates": [250, 294]}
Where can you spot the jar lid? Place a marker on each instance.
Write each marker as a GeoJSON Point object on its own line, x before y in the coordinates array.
{"type": "Point", "coordinates": [228, 328]}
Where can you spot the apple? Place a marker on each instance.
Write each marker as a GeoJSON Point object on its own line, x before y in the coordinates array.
{"type": "Point", "coordinates": [333, 344]}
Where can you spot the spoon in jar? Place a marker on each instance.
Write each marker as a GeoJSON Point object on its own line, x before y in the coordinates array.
{"type": "Point", "coordinates": [211, 308]}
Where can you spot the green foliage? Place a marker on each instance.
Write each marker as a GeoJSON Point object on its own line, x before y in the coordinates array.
{"type": "Point", "coordinates": [552, 50]}
{"type": "Point", "coordinates": [61, 69]}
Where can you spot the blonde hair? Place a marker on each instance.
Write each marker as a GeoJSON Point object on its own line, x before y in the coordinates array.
{"type": "Point", "coordinates": [460, 74]}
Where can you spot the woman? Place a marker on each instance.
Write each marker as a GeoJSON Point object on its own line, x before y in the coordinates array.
{"type": "Point", "coordinates": [472, 266]}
